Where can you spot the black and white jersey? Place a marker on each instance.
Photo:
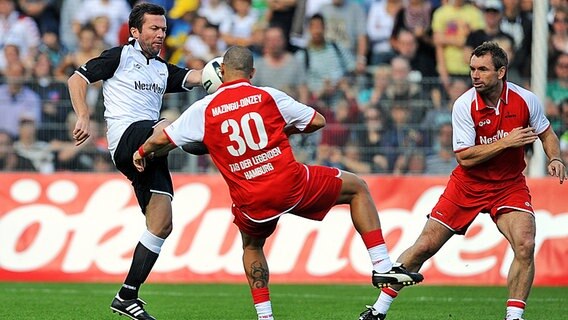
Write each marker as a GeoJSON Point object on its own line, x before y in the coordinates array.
{"type": "Point", "coordinates": [133, 86]}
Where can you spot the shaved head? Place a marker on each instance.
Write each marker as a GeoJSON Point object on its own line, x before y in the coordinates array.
{"type": "Point", "coordinates": [239, 60]}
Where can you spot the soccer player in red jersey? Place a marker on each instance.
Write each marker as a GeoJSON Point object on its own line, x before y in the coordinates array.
{"type": "Point", "coordinates": [492, 123]}
{"type": "Point", "coordinates": [246, 129]}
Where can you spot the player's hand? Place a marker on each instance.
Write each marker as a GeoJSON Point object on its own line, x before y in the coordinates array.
{"type": "Point", "coordinates": [519, 137]}
{"type": "Point", "coordinates": [556, 168]}
{"type": "Point", "coordinates": [82, 130]}
{"type": "Point", "coordinates": [138, 161]}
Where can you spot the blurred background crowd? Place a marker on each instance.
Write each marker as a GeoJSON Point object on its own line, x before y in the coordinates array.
{"type": "Point", "coordinates": [385, 73]}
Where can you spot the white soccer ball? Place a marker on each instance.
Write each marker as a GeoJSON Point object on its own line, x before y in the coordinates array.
{"type": "Point", "coordinates": [211, 77]}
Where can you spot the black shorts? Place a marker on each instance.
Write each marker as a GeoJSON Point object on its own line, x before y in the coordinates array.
{"type": "Point", "coordinates": [156, 177]}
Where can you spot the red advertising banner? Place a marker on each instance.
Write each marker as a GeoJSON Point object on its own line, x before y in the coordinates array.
{"type": "Point", "coordinates": [83, 227]}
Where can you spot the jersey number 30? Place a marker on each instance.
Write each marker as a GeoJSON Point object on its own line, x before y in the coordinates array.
{"type": "Point", "coordinates": [241, 134]}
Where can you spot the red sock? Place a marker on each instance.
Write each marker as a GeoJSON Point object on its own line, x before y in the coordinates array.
{"type": "Point", "coordinates": [390, 291]}
{"type": "Point", "coordinates": [373, 238]}
{"type": "Point", "coordinates": [260, 295]}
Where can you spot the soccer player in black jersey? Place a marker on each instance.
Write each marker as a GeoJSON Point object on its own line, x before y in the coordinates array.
{"type": "Point", "coordinates": [135, 79]}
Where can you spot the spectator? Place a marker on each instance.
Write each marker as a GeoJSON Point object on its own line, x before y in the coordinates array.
{"type": "Point", "coordinates": [43, 12]}
{"type": "Point", "coordinates": [183, 23]}
{"type": "Point", "coordinates": [281, 14]}
{"type": "Point", "coordinates": [439, 115]}
{"type": "Point", "coordinates": [345, 25]}
{"type": "Point", "coordinates": [451, 24]}
{"type": "Point", "coordinates": [18, 30]}
{"type": "Point", "coordinates": [339, 122]}
{"type": "Point", "coordinates": [9, 159]}
{"type": "Point", "coordinates": [29, 147]}
{"type": "Point", "coordinates": [564, 146]}
{"type": "Point", "coordinates": [89, 46]}
{"type": "Point", "coordinates": [115, 10]}
{"type": "Point", "coordinates": [55, 100]}
{"type": "Point", "coordinates": [407, 46]}
{"type": "Point", "coordinates": [557, 115]}
{"type": "Point", "coordinates": [518, 24]}
{"type": "Point", "coordinates": [376, 148]}
{"type": "Point", "coordinates": [353, 161]}
{"type": "Point", "coordinates": [102, 162]}
{"type": "Point", "coordinates": [237, 29]}
{"type": "Point", "coordinates": [513, 74]}
{"type": "Point", "coordinates": [557, 87]}
{"type": "Point", "coordinates": [215, 11]}
{"type": "Point", "coordinates": [404, 134]}
{"type": "Point", "coordinates": [330, 156]}
{"type": "Point", "coordinates": [17, 101]}
{"type": "Point", "coordinates": [416, 18]}
{"type": "Point", "coordinates": [68, 156]}
{"type": "Point", "coordinates": [212, 46]}
{"type": "Point", "coordinates": [560, 123]}
{"type": "Point", "coordinates": [380, 26]}
{"type": "Point", "coordinates": [558, 41]}
{"type": "Point", "coordinates": [555, 5]}
{"type": "Point", "coordinates": [369, 97]}
{"type": "Point", "coordinates": [277, 67]}
{"type": "Point", "coordinates": [402, 89]}
{"type": "Point", "coordinates": [193, 42]}
{"type": "Point", "coordinates": [12, 56]}
{"type": "Point", "coordinates": [413, 163]}
{"type": "Point", "coordinates": [326, 62]}
{"type": "Point", "coordinates": [442, 160]}
{"type": "Point", "coordinates": [101, 25]}
{"type": "Point", "coordinates": [68, 30]}
{"type": "Point", "coordinates": [492, 14]}
{"type": "Point", "coordinates": [51, 46]}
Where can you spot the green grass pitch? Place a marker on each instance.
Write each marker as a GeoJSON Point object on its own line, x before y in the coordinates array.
{"type": "Point", "coordinates": [290, 302]}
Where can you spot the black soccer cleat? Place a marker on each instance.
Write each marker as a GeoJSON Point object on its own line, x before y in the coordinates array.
{"type": "Point", "coordinates": [396, 275]}
{"type": "Point", "coordinates": [134, 309]}
{"type": "Point", "coordinates": [372, 314]}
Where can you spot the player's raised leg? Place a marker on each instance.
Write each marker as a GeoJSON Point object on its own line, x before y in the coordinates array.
{"type": "Point", "coordinates": [354, 191]}
{"type": "Point", "coordinates": [519, 228]}
{"type": "Point", "coordinates": [433, 237]}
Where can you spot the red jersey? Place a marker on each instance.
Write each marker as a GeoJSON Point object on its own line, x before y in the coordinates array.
{"type": "Point", "coordinates": [475, 123]}
{"type": "Point", "coordinates": [243, 128]}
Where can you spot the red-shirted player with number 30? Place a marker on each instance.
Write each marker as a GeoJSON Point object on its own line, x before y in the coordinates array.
{"type": "Point", "coordinates": [246, 128]}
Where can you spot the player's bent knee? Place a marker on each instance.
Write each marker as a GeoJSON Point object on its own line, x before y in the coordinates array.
{"type": "Point", "coordinates": [525, 249]}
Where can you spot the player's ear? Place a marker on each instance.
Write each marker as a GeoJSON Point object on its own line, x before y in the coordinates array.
{"type": "Point", "coordinates": [252, 73]}
{"type": "Point", "coordinates": [222, 68]}
{"type": "Point", "coordinates": [134, 32]}
{"type": "Point", "coordinates": [502, 72]}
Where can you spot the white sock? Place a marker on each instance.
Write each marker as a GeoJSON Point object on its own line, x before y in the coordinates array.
{"type": "Point", "coordinates": [264, 310]}
{"type": "Point", "coordinates": [152, 242]}
{"type": "Point", "coordinates": [380, 258]}
{"type": "Point", "coordinates": [514, 313]}
{"type": "Point", "coordinates": [385, 300]}
{"type": "Point", "coordinates": [515, 309]}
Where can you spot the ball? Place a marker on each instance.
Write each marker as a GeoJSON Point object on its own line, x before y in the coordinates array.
{"type": "Point", "coordinates": [211, 77]}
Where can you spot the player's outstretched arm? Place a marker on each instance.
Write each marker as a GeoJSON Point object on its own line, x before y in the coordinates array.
{"type": "Point", "coordinates": [317, 123]}
{"type": "Point", "coordinates": [193, 78]}
{"type": "Point", "coordinates": [157, 145]}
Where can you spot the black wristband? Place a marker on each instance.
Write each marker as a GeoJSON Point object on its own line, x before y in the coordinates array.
{"type": "Point", "coordinates": [556, 159]}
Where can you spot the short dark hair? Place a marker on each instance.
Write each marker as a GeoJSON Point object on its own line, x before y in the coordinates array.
{"type": "Point", "coordinates": [136, 18]}
{"type": "Point", "coordinates": [319, 17]}
{"type": "Point", "coordinates": [239, 58]}
{"type": "Point", "coordinates": [498, 55]}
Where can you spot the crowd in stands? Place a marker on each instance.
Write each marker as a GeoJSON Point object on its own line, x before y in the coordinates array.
{"type": "Point", "coordinates": [384, 73]}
